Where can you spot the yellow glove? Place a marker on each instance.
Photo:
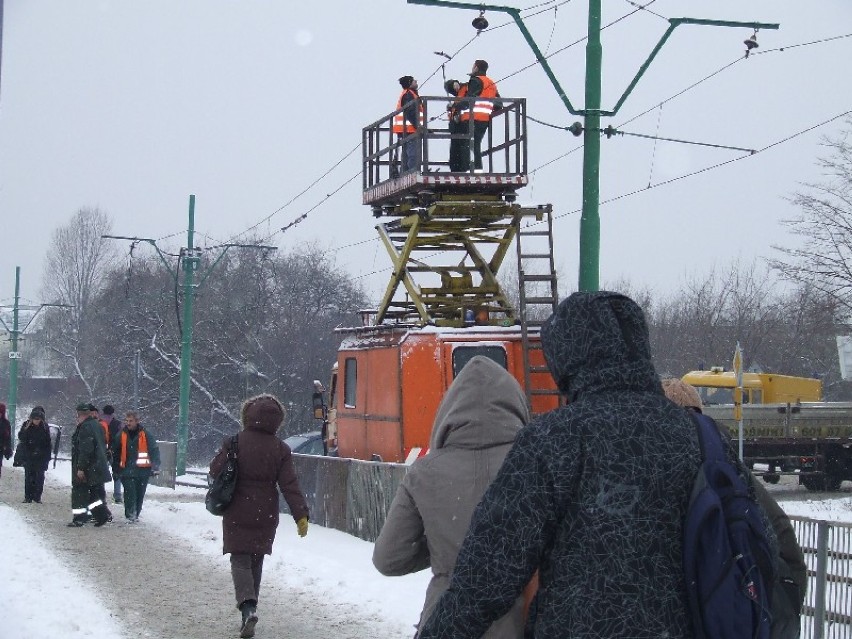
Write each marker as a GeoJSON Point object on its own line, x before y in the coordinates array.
{"type": "Point", "coordinates": [302, 526]}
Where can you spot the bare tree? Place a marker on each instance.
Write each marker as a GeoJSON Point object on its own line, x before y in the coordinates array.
{"type": "Point", "coordinates": [78, 261]}
{"type": "Point", "coordinates": [823, 260]}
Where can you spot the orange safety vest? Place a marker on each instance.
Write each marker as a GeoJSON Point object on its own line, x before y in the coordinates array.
{"type": "Point", "coordinates": [482, 108]}
{"type": "Point", "coordinates": [456, 109]}
{"type": "Point", "coordinates": [400, 125]}
{"type": "Point", "coordinates": [105, 426]}
{"type": "Point", "coordinates": [142, 459]}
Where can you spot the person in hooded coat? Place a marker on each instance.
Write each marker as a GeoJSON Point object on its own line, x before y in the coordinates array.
{"type": "Point", "coordinates": [592, 494]}
{"type": "Point", "coordinates": [476, 423]}
{"type": "Point", "coordinates": [5, 436]}
{"type": "Point", "coordinates": [265, 465]}
{"type": "Point", "coordinates": [791, 586]}
{"type": "Point", "coordinates": [34, 442]}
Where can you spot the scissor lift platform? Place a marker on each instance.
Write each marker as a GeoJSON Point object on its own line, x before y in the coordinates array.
{"type": "Point", "coordinates": [504, 159]}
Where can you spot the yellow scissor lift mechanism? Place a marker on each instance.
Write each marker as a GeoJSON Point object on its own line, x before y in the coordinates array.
{"type": "Point", "coordinates": [450, 231]}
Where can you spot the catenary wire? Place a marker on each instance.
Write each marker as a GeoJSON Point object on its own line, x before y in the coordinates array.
{"type": "Point", "coordinates": [667, 182]}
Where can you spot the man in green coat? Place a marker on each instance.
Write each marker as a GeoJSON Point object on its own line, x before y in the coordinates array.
{"type": "Point", "coordinates": [136, 457]}
{"type": "Point", "coordinates": [90, 470]}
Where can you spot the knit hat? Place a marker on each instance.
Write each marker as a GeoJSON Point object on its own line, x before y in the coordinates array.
{"type": "Point", "coordinates": [405, 81]}
{"type": "Point", "coordinates": [37, 413]}
{"type": "Point", "coordinates": [481, 65]}
{"type": "Point", "coordinates": [92, 407]}
{"type": "Point", "coordinates": [108, 410]}
{"type": "Point", "coordinates": [263, 412]}
{"type": "Point", "coordinates": [681, 393]}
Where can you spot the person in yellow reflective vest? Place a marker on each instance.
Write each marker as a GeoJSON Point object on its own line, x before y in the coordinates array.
{"type": "Point", "coordinates": [408, 122]}
{"type": "Point", "coordinates": [137, 457]}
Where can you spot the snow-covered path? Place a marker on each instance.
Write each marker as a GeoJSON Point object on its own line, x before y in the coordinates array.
{"type": "Point", "coordinates": [166, 576]}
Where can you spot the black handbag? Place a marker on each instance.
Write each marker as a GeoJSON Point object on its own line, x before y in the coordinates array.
{"type": "Point", "coordinates": [20, 453]}
{"type": "Point", "coordinates": [221, 491]}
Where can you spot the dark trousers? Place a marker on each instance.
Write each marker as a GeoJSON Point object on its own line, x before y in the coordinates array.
{"type": "Point", "coordinates": [479, 129]}
{"type": "Point", "coordinates": [410, 152]}
{"type": "Point", "coordinates": [89, 501]}
{"type": "Point", "coordinates": [459, 148]}
{"type": "Point", "coordinates": [33, 481]}
{"type": "Point", "coordinates": [246, 571]}
{"type": "Point", "coordinates": [134, 494]}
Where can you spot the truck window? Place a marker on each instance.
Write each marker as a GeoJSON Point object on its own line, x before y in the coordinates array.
{"type": "Point", "coordinates": [350, 382]}
{"type": "Point", "coordinates": [463, 354]}
{"type": "Point", "coordinates": [711, 395]}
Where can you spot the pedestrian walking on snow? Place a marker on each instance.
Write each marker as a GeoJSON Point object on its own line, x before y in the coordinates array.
{"type": "Point", "coordinates": [136, 457]}
{"type": "Point", "coordinates": [89, 470]}
{"type": "Point", "coordinates": [788, 592]}
{"type": "Point", "coordinates": [476, 423]}
{"type": "Point", "coordinates": [34, 455]}
{"type": "Point", "coordinates": [5, 436]}
{"type": "Point", "coordinates": [265, 466]}
{"type": "Point", "coordinates": [114, 427]}
{"type": "Point", "coordinates": [592, 495]}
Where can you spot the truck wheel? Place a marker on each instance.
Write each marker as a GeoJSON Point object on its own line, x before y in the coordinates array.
{"type": "Point", "coordinates": [832, 484]}
{"type": "Point", "coordinates": [813, 482]}
{"type": "Point", "coordinates": [827, 483]}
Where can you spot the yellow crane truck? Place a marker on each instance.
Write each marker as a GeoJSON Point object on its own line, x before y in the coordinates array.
{"type": "Point", "coordinates": [786, 425]}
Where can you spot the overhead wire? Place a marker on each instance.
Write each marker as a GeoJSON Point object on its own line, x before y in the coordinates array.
{"type": "Point", "coordinates": [717, 165]}
{"type": "Point", "coordinates": [645, 8]}
{"type": "Point", "coordinates": [669, 181]}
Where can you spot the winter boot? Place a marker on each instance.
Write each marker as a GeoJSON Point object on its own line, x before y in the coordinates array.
{"type": "Point", "coordinates": [249, 610]}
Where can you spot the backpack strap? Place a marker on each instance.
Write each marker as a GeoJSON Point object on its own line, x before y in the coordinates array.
{"type": "Point", "coordinates": [709, 438]}
{"type": "Point", "coordinates": [233, 450]}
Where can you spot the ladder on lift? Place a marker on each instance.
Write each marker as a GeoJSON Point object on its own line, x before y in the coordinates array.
{"type": "Point", "coordinates": [537, 297]}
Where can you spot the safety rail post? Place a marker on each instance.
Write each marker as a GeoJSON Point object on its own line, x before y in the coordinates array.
{"type": "Point", "coordinates": [821, 574]}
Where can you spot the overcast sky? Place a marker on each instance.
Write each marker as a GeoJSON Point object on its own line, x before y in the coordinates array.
{"type": "Point", "coordinates": [131, 106]}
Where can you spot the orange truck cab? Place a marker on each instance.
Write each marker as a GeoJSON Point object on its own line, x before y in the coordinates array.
{"type": "Point", "coordinates": [389, 382]}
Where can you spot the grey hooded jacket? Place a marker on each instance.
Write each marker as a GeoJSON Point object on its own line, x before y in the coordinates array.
{"type": "Point", "coordinates": [592, 494]}
{"type": "Point", "coordinates": [476, 423]}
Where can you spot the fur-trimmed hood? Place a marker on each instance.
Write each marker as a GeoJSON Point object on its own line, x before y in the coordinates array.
{"type": "Point", "coordinates": [263, 412]}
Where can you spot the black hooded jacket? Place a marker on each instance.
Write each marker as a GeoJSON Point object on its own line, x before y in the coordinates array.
{"type": "Point", "coordinates": [592, 494]}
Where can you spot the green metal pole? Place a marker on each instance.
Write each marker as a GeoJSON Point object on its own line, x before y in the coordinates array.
{"type": "Point", "coordinates": [14, 355]}
{"type": "Point", "coordinates": [590, 222]}
{"type": "Point", "coordinates": [189, 263]}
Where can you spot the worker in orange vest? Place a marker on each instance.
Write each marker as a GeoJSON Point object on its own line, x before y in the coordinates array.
{"type": "Point", "coordinates": [408, 122]}
{"type": "Point", "coordinates": [137, 457]}
{"type": "Point", "coordinates": [459, 146]}
{"type": "Point", "coordinates": [480, 110]}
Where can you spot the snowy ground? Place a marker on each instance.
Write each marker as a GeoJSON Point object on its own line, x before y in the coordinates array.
{"type": "Point", "coordinates": [166, 577]}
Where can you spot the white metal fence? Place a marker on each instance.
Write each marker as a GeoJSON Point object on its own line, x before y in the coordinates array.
{"type": "Point", "coordinates": [827, 613]}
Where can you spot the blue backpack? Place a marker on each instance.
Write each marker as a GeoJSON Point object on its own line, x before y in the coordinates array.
{"type": "Point", "coordinates": [727, 555]}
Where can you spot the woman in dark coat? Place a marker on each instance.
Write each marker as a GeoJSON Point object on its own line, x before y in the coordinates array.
{"type": "Point", "coordinates": [5, 436]}
{"type": "Point", "coordinates": [34, 439]}
{"type": "Point", "coordinates": [265, 465]}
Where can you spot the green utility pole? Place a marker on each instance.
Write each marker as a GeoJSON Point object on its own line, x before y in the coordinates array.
{"type": "Point", "coordinates": [14, 333]}
{"type": "Point", "coordinates": [14, 354]}
{"type": "Point", "coordinates": [590, 220]}
{"type": "Point", "coordinates": [190, 260]}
